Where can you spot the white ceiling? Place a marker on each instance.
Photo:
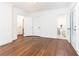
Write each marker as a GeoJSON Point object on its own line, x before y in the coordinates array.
{"type": "Point", "coordinates": [39, 6]}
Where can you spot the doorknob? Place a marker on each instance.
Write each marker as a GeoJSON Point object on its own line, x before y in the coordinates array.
{"type": "Point", "coordinates": [74, 28]}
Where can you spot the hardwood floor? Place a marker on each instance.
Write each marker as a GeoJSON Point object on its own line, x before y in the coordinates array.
{"type": "Point", "coordinates": [37, 46]}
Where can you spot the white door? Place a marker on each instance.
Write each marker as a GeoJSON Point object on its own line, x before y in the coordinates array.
{"type": "Point", "coordinates": [73, 27]}
{"type": "Point", "coordinates": [27, 26]}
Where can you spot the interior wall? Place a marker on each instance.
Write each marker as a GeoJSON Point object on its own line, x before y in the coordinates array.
{"type": "Point", "coordinates": [68, 25]}
{"type": "Point", "coordinates": [45, 22]}
{"type": "Point", "coordinates": [5, 23]}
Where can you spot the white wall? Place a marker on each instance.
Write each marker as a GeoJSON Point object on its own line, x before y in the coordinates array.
{"type": "Point", "coordinates": [45, 22]}
{"type": "Point", "coordinates": [5, 23]}
{"type": "Point", "coordinates": [68, 25]}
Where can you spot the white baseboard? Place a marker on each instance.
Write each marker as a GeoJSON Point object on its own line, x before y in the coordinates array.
{"type": "Point", "coordinates": [6, 42]}
{"type": "Point", "coordinates": [77, 52]}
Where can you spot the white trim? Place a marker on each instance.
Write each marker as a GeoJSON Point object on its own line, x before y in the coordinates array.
{"type": "Point", "coordinates": [6, 42]}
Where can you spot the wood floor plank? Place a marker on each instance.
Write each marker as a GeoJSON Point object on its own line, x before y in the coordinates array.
{"type": "Point", "coordinates": [38, 46]}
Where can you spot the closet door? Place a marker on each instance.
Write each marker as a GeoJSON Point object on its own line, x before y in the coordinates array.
{"type": "Point", "coordinates": [27, 26]}
{"type": "Point", "coordinates": [73, 28]}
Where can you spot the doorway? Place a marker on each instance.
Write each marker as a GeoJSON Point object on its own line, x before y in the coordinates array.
{"type": "Point", "coordinates": [20, 26]}
{"type": "Point", "coordinates": [61, 26]}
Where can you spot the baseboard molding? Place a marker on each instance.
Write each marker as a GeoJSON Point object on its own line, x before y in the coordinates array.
{"type": "Point", "coordinates": [44, 37]}
{"type": "Point", "coordinates": [5, 43]}
{"type": "Point", "coordinates": [32, 36]}
{"type": "Point", "coordinates": [77, 51]}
